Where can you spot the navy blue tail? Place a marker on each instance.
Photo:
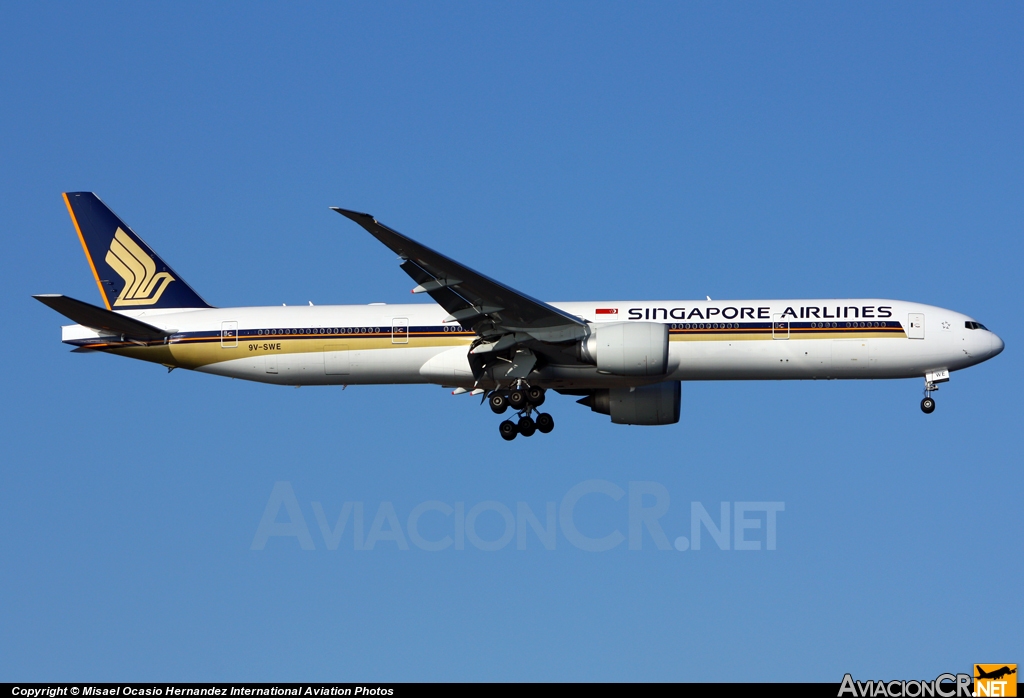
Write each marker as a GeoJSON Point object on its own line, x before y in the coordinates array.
{"type": "Point", "coordinates": [128, 272]}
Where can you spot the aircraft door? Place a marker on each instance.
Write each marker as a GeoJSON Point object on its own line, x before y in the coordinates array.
{"type": "Point", "coordinates": [915, 326]}
{"type": "Point", "coordinates": [780, 327]}
{"type": "Point", "coordinates": [400, 330]}
{"type": "Point", "coordinates": [229, 334]}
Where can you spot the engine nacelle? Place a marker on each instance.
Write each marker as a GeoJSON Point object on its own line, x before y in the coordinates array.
{"type": "Point", "coordinates": [627, 348]}
{"type": "Point", "coordinates": [648, 404]}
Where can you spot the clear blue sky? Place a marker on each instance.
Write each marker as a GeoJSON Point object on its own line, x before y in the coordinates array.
{"type": "Point", "coordinates": [575, 151]}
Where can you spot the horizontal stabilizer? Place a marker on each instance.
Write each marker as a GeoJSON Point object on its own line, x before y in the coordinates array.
{"type": "Point", "coordinates": [101, 319]}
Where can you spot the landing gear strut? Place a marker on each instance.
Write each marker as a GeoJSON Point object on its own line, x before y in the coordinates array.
{"type": "Point", "coordinates": [525, 401]}
{"type": "Point", "coordinates": [928, 404]}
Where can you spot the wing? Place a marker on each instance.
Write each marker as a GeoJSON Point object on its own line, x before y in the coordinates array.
{"type": "Point", "coordinates": [496, 312]}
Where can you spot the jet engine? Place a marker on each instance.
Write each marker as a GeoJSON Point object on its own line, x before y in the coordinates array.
{"type": "Point", "coordinates": [648, 404]}
{"type": "Point", "coordinates": [627, 348]}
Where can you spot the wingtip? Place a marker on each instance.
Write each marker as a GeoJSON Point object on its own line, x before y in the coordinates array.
{"type": "Point", "coordinates": [46, 298]}
{"type": "Point", "coordinates": [353, 215]}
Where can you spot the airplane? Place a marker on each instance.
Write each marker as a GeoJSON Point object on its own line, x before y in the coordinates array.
{"type": "Point", "coordinates": [996, 674]}
{"type": "Point", "coordinates": [624, 359]}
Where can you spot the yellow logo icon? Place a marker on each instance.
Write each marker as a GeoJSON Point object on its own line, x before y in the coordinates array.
{"type": "Point", "coordinates": [995, 680]}
{"type": "Point", "coordinates": [143, 285]}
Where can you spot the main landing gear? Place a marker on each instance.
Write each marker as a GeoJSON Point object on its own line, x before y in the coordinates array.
{"type": "Point", "coordinates": [525, 401]}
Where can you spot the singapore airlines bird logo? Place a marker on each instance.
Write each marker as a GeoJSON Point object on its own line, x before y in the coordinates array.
{"type": "Point", "coordinates": [143, 285]}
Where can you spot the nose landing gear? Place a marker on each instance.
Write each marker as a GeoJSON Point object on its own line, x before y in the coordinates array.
{"type": "Point", "coordinates": [525, 401]}
{"type": "Point", "coordinates": [931, 381]}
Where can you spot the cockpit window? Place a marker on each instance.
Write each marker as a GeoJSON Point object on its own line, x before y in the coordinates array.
{"type": "Point", "coordinates": [971, 325]}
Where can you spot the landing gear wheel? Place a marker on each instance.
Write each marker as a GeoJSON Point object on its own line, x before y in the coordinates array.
{"type": "Point", "coordinates": [517, 398]}
{"type": "Point", "coordinates": [508, 430]}
{"type": "Point", "coordinates": [535, 396]}
{"type": "Point", "coordinates": [545, 423]}
{"type": "Point", "coordinates": [527, 426]}
{"type": "Point", "coordinates": [498, 403]}
{"type": "Point", "coordinates": [927, 405]}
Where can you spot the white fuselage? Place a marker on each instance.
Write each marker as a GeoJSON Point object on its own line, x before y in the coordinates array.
{"type": "Point", "coordinates": [710, 340]}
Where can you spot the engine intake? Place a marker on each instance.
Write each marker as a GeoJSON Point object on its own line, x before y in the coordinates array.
{"type": "Point", "coordinates": [627, 348]}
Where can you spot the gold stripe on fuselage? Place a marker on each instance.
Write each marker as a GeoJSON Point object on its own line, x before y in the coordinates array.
{"type": "Point", "coordinates": [196, 352]}
{"type": "Point", "coordinates": [193, 353]}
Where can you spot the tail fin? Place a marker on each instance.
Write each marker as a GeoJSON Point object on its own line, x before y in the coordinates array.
{"type": "Point", "coordinates": [128, 272]}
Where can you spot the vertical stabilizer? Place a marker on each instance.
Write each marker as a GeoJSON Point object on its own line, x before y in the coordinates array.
{"type": "Point", "coordinates": [130, 275]}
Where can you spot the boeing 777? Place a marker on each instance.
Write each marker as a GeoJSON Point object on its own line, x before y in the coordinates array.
{"type": "Point", "coordinates": [625, 359]}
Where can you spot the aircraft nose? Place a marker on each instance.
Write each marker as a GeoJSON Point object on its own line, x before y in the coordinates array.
{"type": "Point", "coordinates": [997, 344]}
